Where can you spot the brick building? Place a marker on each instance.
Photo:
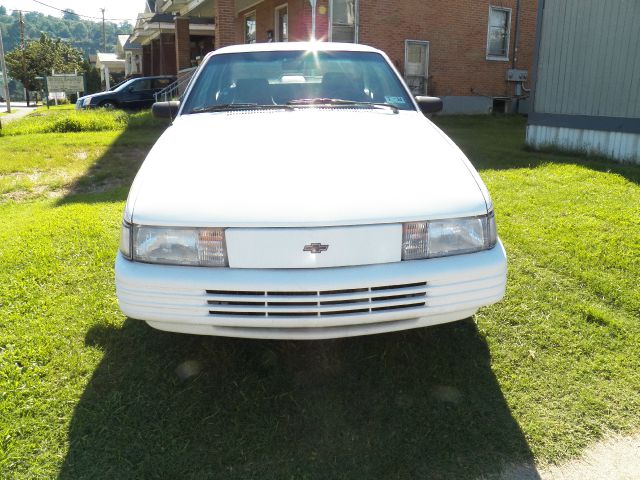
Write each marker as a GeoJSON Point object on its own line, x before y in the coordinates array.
{"type": "Point", "coordinates": [170, 42]}
{"type": "Point", "coordinates": [475, 54]}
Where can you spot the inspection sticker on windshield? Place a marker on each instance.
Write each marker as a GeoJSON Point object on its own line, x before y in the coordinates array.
{"type": "Point", "coordinates": [395, 100]}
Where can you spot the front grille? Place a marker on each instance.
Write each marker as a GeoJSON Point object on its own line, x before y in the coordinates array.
{"type": "Point", "coordinates": [325, 303]}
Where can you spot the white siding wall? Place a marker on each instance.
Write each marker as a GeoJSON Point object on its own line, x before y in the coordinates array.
{"type": "Point", "coordinates": [587, 88]}
{"type": "Point", "coordinates": [620, 146]}
{"type": "Point", "coordinates": [589, 58]}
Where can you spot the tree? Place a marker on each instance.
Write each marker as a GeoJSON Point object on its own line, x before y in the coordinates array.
{"type": "Point", "coordinates": [40, 58]}
{"type": "Point", "coordinates": [92, 77]}
{"type": "Point", "coordinates": [79, 31]}
{"type": "Point", "coordinates": [3, 11]}
{"type": "Point", "coordinates": [69, 14]}
{"type": "Point", "coordinates": [62, 31]}
{"type": "Point", "coordinates": [83, 34]}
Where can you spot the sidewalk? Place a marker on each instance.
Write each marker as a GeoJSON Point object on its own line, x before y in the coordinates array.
{"type": "Point", "coordinates": [16, 113]}
{"type": "Point", "coordinates": [615, 458]}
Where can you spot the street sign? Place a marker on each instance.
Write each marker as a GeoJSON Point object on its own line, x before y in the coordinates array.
{"type": "Point", "coordinates": [65, 83]}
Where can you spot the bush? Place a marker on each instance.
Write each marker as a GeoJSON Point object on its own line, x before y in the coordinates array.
{"type": "Point", "coordinates": [65, 121]}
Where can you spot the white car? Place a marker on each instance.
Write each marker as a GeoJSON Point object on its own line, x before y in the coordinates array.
{"type": "Point", "coordinates": [301, 193]}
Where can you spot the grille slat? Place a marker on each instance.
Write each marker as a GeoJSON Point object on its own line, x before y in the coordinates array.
{"type": "Point", "coordinates": [352, 301]}
{"type": "Point", "coordinates": [323, 296]}
{"type": "Point", "coordinates": [272, 309]}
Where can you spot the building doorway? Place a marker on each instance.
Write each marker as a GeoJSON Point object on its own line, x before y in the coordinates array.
{"type": "Point", "coordinates": [282, 23]}
{"type": "Point", "coordinates": [416, 65]}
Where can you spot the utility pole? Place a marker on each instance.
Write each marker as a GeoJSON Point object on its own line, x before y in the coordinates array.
{"type": "Point", "coordinates": [104, 38]}
{"type": "Point", "coordinates": [24, 61]}
{"type": "Point", "coordinates": [5, 78]}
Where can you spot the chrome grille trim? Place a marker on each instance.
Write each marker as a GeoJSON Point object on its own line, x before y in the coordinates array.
{"type": "Point", "coordinates": [325, 303]}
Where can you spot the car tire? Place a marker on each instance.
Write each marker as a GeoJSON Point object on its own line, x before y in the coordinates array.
{"type": "Point", "coordinates": [109, 104]}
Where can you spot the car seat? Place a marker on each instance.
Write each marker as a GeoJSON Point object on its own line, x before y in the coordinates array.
{"type": "Point", "coordinates": [340, 85]}
{"type": "Point", "coordinates": [253, 90]}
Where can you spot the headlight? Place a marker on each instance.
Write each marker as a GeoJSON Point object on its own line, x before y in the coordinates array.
{"type": "Point", "coordinates": [455, 236]}
{"type": "Point", "coordinates": [86, 101]}
{"type": "Point", "coordinates": [202, 247]}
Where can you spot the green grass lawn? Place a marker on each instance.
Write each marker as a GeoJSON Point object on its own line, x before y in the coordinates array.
{"type": "Point", "coordinates": [86, 393]}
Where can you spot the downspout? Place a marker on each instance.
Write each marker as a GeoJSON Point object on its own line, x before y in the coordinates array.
{"type": "Point", "coordinates": [514, 61]}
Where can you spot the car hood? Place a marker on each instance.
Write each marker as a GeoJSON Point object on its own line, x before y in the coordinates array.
{"type": "Point", "coordinates": [309, 167]}
{"type": "Point", "coordinates": [98, 95]}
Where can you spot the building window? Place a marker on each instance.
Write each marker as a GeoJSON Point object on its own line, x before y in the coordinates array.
{"type": "Point", "coordinates": [250, 28]}
{"type": "Point", "coordinates": [498, 33]}
{"type": "Point", "coordinates": [282, 23]}
{"type": "Point", "coordinates": [344, 21]}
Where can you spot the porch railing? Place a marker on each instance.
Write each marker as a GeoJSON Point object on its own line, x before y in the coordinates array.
{"type": "Point", "coordinates": [175, 90]}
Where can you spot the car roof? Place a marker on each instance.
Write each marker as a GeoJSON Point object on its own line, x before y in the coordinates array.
{"type": "Point", "coordinates": [153, 76]}
{"type": "Point", "coordinates": [295, 46]}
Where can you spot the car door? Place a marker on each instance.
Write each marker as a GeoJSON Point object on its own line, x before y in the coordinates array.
{"type": "Point", "coordinates": [137, 93]}
{"type": "Point", "coordinates": [157, 84]}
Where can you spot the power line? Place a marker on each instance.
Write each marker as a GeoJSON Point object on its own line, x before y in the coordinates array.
{"type": "Point", "coordinates": [66, 10]}
{"type": "Point", "coordinates": [23, 11]}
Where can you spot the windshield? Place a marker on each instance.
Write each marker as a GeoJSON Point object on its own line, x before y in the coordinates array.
{"type": "Point", "coordinates": [296, 78]}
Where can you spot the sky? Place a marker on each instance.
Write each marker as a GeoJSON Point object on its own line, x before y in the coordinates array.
{"type": "Point", "coordinates": [114, 9]}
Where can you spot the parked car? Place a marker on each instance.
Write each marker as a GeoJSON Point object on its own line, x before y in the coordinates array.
{"type": "Point", "coordinates": [133, 94]}
{"type": "Point", "coordinates": [302, 194]}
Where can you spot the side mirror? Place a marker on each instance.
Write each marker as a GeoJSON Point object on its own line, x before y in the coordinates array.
{"type": "Point", "coordinates": [165, 109]}
{"type": "Point", "coordinates": [429, 104]}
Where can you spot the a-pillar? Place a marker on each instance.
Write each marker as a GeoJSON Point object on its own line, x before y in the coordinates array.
{"type": "Point", "coordinates": [225, 16]}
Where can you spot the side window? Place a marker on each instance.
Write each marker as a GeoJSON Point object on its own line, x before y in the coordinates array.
{"type": "Point", "coordinates": [160, 83]}
{"type": "Point", "coordinates": [498, 33]}
{"type": "Point", "coordinates": [141, 86]}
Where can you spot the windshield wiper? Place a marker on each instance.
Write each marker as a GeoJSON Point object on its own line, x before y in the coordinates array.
{"type": "Point", "coordinates": [339, 101]}
{"type": "Point", "coordinates": [239, 106]}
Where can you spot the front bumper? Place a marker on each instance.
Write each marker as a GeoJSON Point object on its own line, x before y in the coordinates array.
{"type": "Point", "coordinates": [310, 303]}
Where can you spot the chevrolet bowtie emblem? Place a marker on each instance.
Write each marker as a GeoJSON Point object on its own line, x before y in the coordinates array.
{"type": "Point", "coordinates": [315, 248]}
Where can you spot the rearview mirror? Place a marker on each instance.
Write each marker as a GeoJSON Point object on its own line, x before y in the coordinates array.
{"type": "Point", "coordinates": [429, 104]}
{"type": "Point", "coordinates": [165, 109]}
